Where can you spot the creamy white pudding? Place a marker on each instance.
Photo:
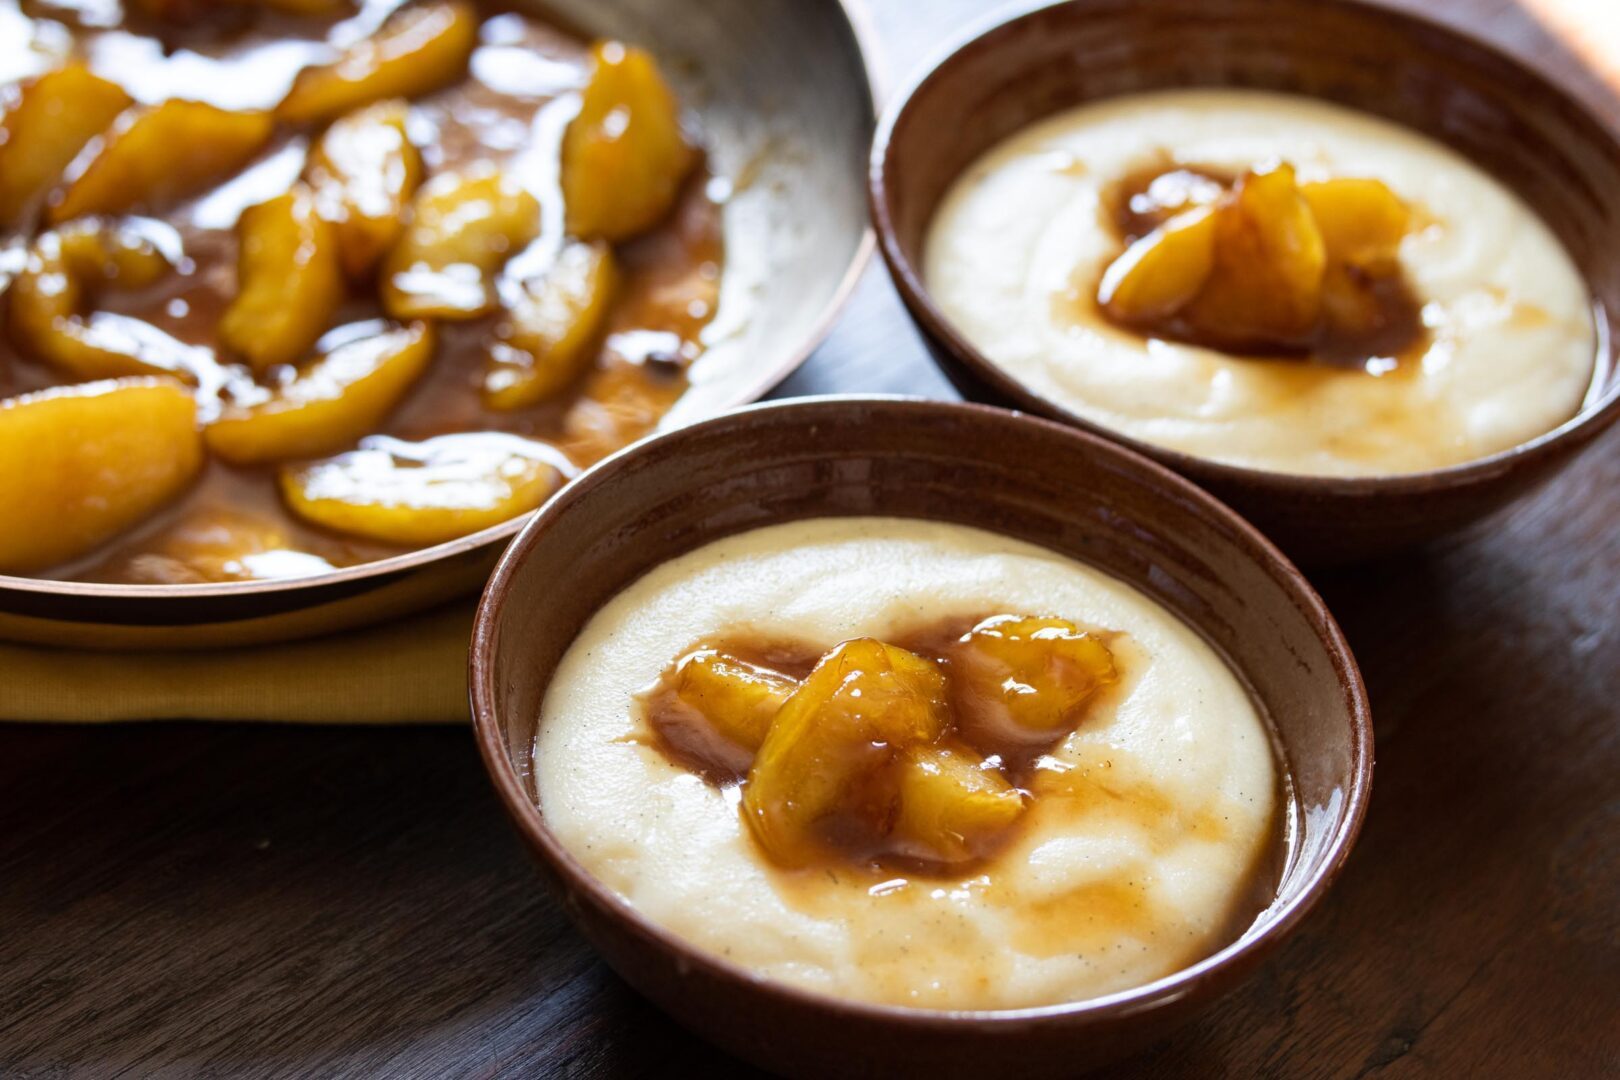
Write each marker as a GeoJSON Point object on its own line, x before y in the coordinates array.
{"type": "Point", "coordinates": [1151, 832]}
{"type": "Point", "coordinates": [1019, 245]}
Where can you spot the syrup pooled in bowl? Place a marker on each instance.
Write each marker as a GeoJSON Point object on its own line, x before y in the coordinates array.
{"type": "Point", "coordinates": [1262, 264]}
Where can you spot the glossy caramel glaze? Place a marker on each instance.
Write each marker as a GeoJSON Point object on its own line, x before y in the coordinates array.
{"type": "Point", "coordinates": [1090, 783]}
{"type": "Point", "coordinates": [510, 110]}
{"type": "Point", "coordinates": [858, 837]}
{"type": "Point", "coordinates": [1394, 340]}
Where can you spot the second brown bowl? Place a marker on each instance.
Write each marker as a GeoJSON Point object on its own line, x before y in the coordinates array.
{"type": "Point", "coordinates": [1504, 117]}
{"type": "Point", "coordinates": [1029, 479]}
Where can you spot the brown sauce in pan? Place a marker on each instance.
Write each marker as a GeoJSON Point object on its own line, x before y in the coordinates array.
{"type": "Point", "coordinates": [519, 92]}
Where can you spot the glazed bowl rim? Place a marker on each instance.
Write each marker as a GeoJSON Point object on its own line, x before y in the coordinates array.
{"type": "Point", "coordinates": [1274, 924]}
{"type": "Point", "coordinates": [858, 18]}
{"type": "Point", "coordinates": [1599, 408]}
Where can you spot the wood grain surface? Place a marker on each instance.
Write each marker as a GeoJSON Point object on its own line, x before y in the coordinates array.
{"type": "Point", "coordinates": [208, 900]}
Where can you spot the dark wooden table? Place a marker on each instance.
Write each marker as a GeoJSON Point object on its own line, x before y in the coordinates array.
{"type": "Point", "coordinates": [206, 900]}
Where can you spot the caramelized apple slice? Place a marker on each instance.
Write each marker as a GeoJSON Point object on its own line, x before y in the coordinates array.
{"type": "Point", "coordinates": [623, 155]}
{"type": "Point", "coordinates": [289, 284]}
{"type": "Point", "coordinates": [951, 805]}
{"type": "Point", "coordinates": [1024, 679]}
{"type": "Point", "coordinates": [305, 7]}
{"type": "Point", "coordinates": [53, 118]}
{"type": "Point", "coordinates": [219, 545]}
{"type": "Point", "coordinates": [464, 227]}
{"type": "Point", "coordinates": [338, 398]}
{"type": "Point", "coordinates": [1362, 221]}
{"type": "Point", "coordinates": [193, 10]}
{"type": "Point", "coordinates": [1150, 196]}
{"type": "Point", "coordinates": [80, 464]}
{"type": "Point", "coordinates": [1160, 274]}
{"type": "Point", "coordinates": [418, 494]}
{"type": "Point", "coordinates": [863, 703]}
{"type": "Point", "coordinates": [57, 283]}
{"type": "Point", "coordinates": [364, 170]}
{"type": "Point", "coordinates": [546, 342]}
{"type": "Point", "coordinates": [159, 153]}
{"type": "Point", "coordinates": [737, 698]}
{"type": "Point", "coordinates": [1266, 285]}
{"type": "Point", "coordinates": [418, 50]}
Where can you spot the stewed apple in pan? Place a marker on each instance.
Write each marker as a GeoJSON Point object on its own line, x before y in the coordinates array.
{"type": "Point", "coordinates": [289, 285]}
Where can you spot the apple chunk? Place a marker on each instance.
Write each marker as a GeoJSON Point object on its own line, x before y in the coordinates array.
{"type": "Point", "coordinates": [464, 226]}
{"type": "Point", "coordinates": [335, 400]}
{"type": "Point", "coordinates": [624, 155]}
{"type": "Point", "coordinates": [738, 699]}
{"type": "Point", "coordinates": [53, 118]}
{"type": "Point", "coordinates": [546, 340]}
{"type": "Point", "coordinates": [81, 464]}
{"type": "Point", "coordinates": [289, 282]}
{"type": "Point", "coordinates": [832, 741]}
{"type": "Point", "coordinates": [418, 494]}
{"type": "Point", "coordinates": [364, 170]}
{"type": "Point", "coordinates": [156, 154]}
{"type": "Point", "coordinates": [418, 50]}
{"type": "Point", "coordinates": [952, 806]}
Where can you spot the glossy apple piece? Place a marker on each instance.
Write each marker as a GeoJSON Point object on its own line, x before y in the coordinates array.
{"type": "Point", "coordinates": [1160, 274]}
{"type": "Point", "coordinates": [952, 806]}
{"type": "Point", "coordinates": [51, 120]}
{"type": "Point", "coordinates": [1025, 680]}
{"type": "Point", "coordinates": [191, 10]}
{"type": "Point", "coordinates": [738, 699]}
{"type": "Point", "coordinates": [364, 169]}
{"type": "Point", "coordinates": [418, 50]}
{"type": "Point", "coordinates": [546, 340]}
{"type": "Point", "coordinates": [335, 400]}
{"type": "Point", "coordinates": [416, 494]}
{"type": "Point", "coordinates": [464, 227]}
{"type": "Point", "coordinates": [1270, 258]}
{"type": "Point", "coordinates": [624, 155]}
{"type": "Point", "coordinates": [289, 281]}
{"type": "Point", "coordinates": [1363, 222]}
{"type": "Point", "coordinates": [214, 545]}
{"type": "Point", "coordinates": [81, 464]}
{"type": "Point", "coordinates": [864, 702]}
{"type": "Point", "coordinates": [51, 296]}
{"type": "Point", "coordinates": [157, 154]}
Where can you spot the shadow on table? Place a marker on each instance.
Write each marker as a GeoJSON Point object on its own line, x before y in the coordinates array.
{"type": "Point", "coordinates": [196, 899]}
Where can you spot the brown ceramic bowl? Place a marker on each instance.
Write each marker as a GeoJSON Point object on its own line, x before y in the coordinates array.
{"type": "Point", "coordinates": [1515, 124]}
{"type": "Point", "coordinates": [1027, 478]}
{"type": "Point", "coordinates": [783, 94]}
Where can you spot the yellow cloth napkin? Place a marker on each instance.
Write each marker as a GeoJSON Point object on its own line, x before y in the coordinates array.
{"type": "Point", "coordinates": [411, 671]}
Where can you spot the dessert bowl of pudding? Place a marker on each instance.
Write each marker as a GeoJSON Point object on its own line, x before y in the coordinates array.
{"type": "Point", "coordinates": [873, 734]}
{"type": "Point", "coordinates": [421, 263]}
{"type": "Point", "coordinates": [1348, 269]}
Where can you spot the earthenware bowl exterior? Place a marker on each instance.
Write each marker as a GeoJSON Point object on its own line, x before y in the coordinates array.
{"type": "Point", "coordinates": [1022, 477]}
{"type": "Point", "coordinates": [1494, 110]}
{"type": "Point", "coordinates": [783, 95]}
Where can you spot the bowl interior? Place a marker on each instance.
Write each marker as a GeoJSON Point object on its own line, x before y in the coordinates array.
{"type": "Point", "coordinates": [1486, 105]}
{"type": "Point", "coordinates": [969, 464]}
{"type": "Point", "coordinates": [781, 93]}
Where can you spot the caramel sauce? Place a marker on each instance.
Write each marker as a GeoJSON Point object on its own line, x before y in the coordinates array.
{"type": "Point", "coordinates": [930, 952]}
{"type": "Point", "coordinates": [509, 109]}
{"type": "Point", "coordinates": [686, 737]}
{"type": "Point", "coordinates": [1151, 194]}
{"type": "Point", "coordinates": [856, 834]}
